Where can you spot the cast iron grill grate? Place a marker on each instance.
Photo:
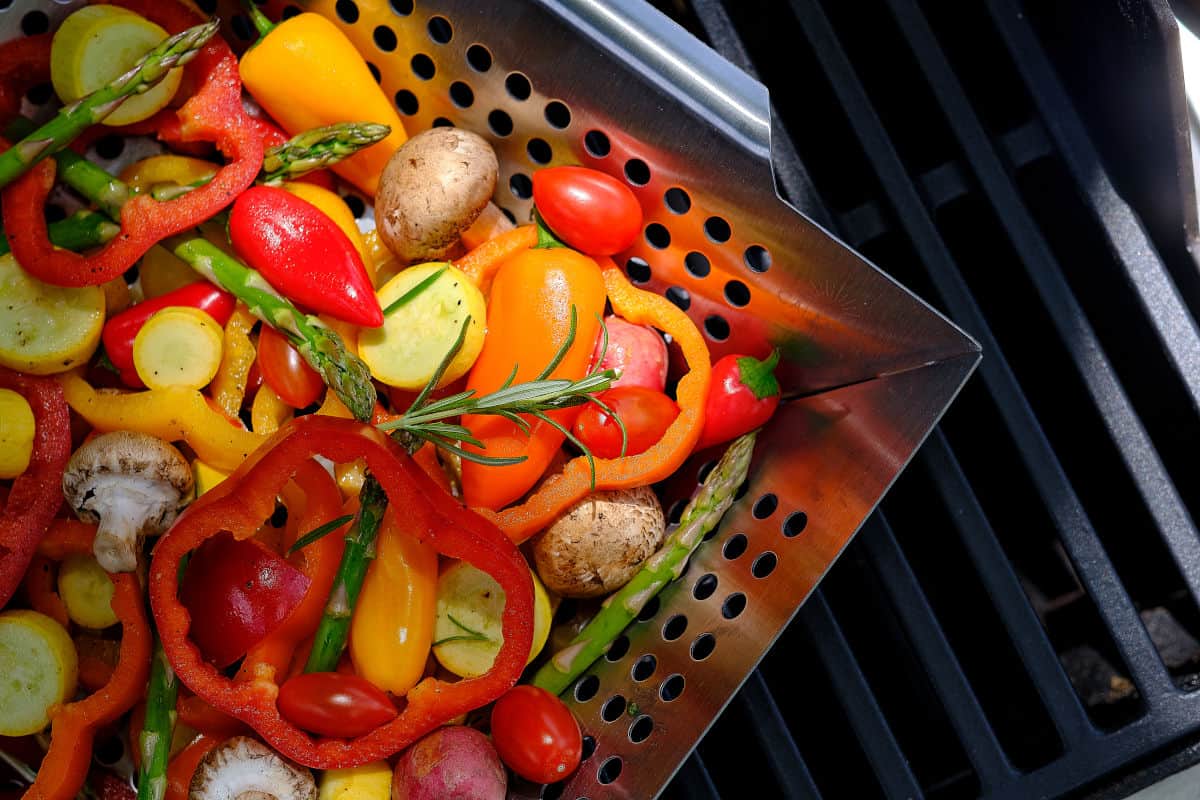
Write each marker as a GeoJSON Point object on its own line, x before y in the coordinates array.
{"type": "Point", "coordinates": [1020, 618]}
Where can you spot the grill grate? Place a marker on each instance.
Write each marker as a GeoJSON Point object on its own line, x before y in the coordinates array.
{"type": "Point", "coordinates": [984, 635]}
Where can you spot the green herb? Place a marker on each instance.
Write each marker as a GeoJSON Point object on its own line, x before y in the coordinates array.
{"type": "Point", "coordinates": [415, 291]}
{"type": "Point", "coordinates": [319, 532]}
{"type": "Point", "coordinates": [471, 634]}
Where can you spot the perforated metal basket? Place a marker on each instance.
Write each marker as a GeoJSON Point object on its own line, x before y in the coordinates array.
{"type": "Point", "coordinates": [615, 85]}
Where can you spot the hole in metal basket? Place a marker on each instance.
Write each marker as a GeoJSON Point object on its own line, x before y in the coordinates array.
{"type": "Point", "coordinates": [40, 94]}
{"type": "Point", "coordinates": [440, 29]}
{"type": "Point", "coordinates": [521, 186]}
{"type": "Point", "coordinates": [109, 750]}
{"type": "Point", "coordinates": [613, 708]}
{"type": "Point", "coordinates": [385, 38]}
{"type": "Point", "coordinates": [479, 57]}
{"type": "Point", "coordinates": [703, 646]}
{"type": "Point", "coordinates": [735, 546]}
{"type": "Point", "coordinates": [375, 73]}
{"type": "Point", "coordinates": [355, 204]}
{"type": "Point", "coordinates": [539, 151]}
{"type": "Point", "coordinates": [716, 327]}
{"type": "Point", "coordinates": [407, 102]}
{"type": "Point", "coordinates": [35, 22]}
{"type": "Point", "coordinates": [609, 771]}
{"type": "Point", "coordinates": [461, 94]}
{"type": "Point", "coordinates": [680, 297]}
{"type": "Point", "coordinates": [588, 749]}
{"type": "Point", "coordinates": [241, 27]}
{"type": "Point", "coordinates": [764, 565]}
{"type": "Point", "coordinates": [733, 606]}
{"type": "Point", "coordinates": [677, 200]}
{"type": "Point", "coordinates": [347, 11]}
{"type": "Point", "coordinates": [637, 172]}
{"type": "Point", "coordinates": [641, 729]}
{"type": "Point", "coordinates": [697, 264]}
{"type": "Point", "coordinates": [757, 258]}
{"type": "Point", "coordinates": [795, 524]}
{"type": "Point", "coordinates": [675, 512]}
{"type": "Point", "coordinates": [705, 586]}
{"type": "Point", "coordinates": [649, 610]}
{"type": "Point", "coordinates": [558, 114]}
{"type": "Point", "coordinates": [737, 293]}
{"type": "Point", "coordinates": [741, 491]}
{"type": "Point", "coordinates": [717, 229]}
{"type": "Point", "coordinates": [500, 123]}
{"type": "Point", "coordinates": [597, 143]}
{"type": "Point", "coordinates": [518, 86]}
{"type": "Point", "coordinates": [402, 7]}
{"type": "Point", "coordinates": [286, 14]}
{"type": "Point", "coordinates": [423, 66]}
{"type": "Point", "coordinates": [674, 627]}
{"type": "Point", "coordinates": [617, 650]}
{"type": "Point", "coordinates": [672, 687]}
{"type": "Point", "coordinates": [765, 506]}
{"type": "Point", "coordinates": [443, 122]}
{"type": "Point", "coordinates": [586, 688]}
{"type": "Point", "coordinates": [644, 667]}
{"type": "Point", "coordinates": [55, 213]}
{"type": "Point", "coordinates": [637, 270]}
{"type": "Point", "coordinates": [110, 147]}
{"type": "Point", "coordinates": [511, 216]}
{"type": "Point", "coordinates": [658, 236]}
{"type": "Point", "coordinates": [705, 470]}
{"type": "Point", "coordinates": [554, 791]}
{"type": "Point", "coordinates": [207, 6]}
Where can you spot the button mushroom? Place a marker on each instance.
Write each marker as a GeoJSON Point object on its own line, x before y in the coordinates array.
{"type": "Point", "coordinates": [246, 769]}
{"type": "Point", "coordinates": [133, 485]}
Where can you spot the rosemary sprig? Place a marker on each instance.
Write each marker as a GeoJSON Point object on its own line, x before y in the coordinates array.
{"type": "Point", "coordinates": [471, 634]}
{"type": "Point", "coordinates": [319, 533]}
{"type": "Point", "coordinates": [415, 291]}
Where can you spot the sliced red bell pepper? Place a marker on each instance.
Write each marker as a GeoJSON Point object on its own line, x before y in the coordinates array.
{"type": "Point", "coordinates": [36, 493]}
{"type": "Point", "coordinates": [241, 503]}
{"type": "Point", "coordinates": [214, 113]}
{"type": "Point", "coordinates": [120, 330]}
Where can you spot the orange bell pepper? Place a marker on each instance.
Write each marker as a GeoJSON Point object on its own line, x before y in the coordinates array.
{"type": "Point", "coordinates": [183, 766]}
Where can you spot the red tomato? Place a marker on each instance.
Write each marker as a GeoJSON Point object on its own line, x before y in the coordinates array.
{"type": "Point", "coordinates": [237, 592]}
{"type": "Point", "coordinates": [285, 371]}
{"type": "Point", "coordinates": [590, 210]}
{"type": "Point", "coordinates": [536, 735]}
{"type": "Point", "coordinates": [334, 704]}
{"type": "Point", "coordinates": [646, 413]}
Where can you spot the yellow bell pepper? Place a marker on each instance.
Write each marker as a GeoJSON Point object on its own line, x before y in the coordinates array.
{"type": "Point", "coordinates": [381, 262]}
{"type": "Point", "coordinates": [228, 388]}
{"type": "Point", "coordinates": [337, 87]}
{"type": "Point", "coordinates": [336, 209]}
{"type": "Point", "coordinates": [371, 781]}
{"type": "Point", "coordinates": [169, 414]}
{"type": "Point", "coordinates": [167, 168]}
{"type": "Point", "coordinates": [268, 413]}
{"type": "Point", "coordinates": [206, 476]}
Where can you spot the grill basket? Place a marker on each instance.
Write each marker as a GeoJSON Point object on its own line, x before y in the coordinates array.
{"type": "Point", "coordinates": [615, 85]}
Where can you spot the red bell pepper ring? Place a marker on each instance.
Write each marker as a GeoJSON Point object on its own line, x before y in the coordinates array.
{"type": "Point", "coordinates": [304, 254]}
{"type": "Point", "coordinates": [36, 493]}
{"type": "Point", "coordinates": [121, 329]}
{"type": "Point", "coordinates": [240, 504]}
{"type": "Point", "coordinates": [214, 113]}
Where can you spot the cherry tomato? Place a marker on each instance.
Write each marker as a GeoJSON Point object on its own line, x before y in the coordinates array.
{"type": "Point", "coordinates": [536, 735]}
{"type": "Point", "coordinates": [285, 371]}
{"type": "Point", "coordinates": [646, 413]}
{"type": "Point", "coordinates": [237, 592]}
{"type": "Point", "coordinates": [590, 210]}
{"type": "Point", "coordinates": [334, 704]}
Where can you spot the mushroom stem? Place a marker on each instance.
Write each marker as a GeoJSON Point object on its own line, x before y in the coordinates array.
{"type": "Point", "coordinates": [127, 509]}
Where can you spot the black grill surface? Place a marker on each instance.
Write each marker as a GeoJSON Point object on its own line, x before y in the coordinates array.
{"type": "Point", "coordinates": [1020, 618]}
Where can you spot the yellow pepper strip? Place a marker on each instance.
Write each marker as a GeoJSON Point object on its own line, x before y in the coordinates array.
{"type": "Point", "coordinates": [381, 262]}
{"type": "Point", "coordinates": [349, 476]}
{"type": "Point", "coordinates": [371, 781]}
{"type": "Point", "coordinates": [337, 87]}
{"type": "Point", "coordinates": [336, 209]}
{"type": "Point", "coordinates": [206, 476]}
{"type": "Point", "coordinates": [268, 413]}
{"type": "Point", "coordinates": [116, 296]}
{"type": "Point", "coordinates": [167, 168]}
{"type": "Point", "coordinates": [228, 388]}
{"type": "Point", "coordinates": [170, 414]}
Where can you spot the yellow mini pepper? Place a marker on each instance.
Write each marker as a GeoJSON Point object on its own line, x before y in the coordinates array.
{"type": "Point", "coordinates": [337, 87]}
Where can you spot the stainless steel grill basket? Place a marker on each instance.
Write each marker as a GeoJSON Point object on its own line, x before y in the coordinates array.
{"type": "Point", "coordinates": [615, 85]}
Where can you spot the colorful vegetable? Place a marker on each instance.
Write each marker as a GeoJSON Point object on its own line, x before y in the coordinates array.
{"type": "Point", "coordinates": [294, 381]}
{"type": "Point", "coordinates": [268, 412]}
{"type": "Point", "coordinates": [702, 514]}
{"type": "Point", "coordinates": [97, 44]}
{"type": "Point", "coordinates": [229, 386]}
{"type": "Point", "coordinates": [338, 87]}
{"type": "Point", "coordinates": [122, 329]}
{"type": "Point", "coordinates": [743, 397]}
{"type": "Point", "coordinates": [17, 429]}
{"type": "Point", "coordinates": [636, 353]}
{"type": "Point", "coordinates": [243, 767]}
{"type": "Point", "coordinates": [158, 729]}
{"type": "Point", "coordinates": [242, 502]}
{"type": "Point", "coordinates": [334, 207]}
{"type": "Point", "coordinates": [35, 494]}
{"type": "Point", "coordinates": [183, 766]}
{"type": "Point", "coordinates": [368, 782]}
{"type": "Point", "coordinates": [630, 421]}
{"type": "Point", "coordinates": [303, 254]}
{"type": "Point", "coordinates": [237, 592]}
{"type": "Point", "coordinates": [165, 169]}
{"type": "Point", "coordinates": [392, 626]}
{"type": "Point", "coordinates": [534, 298]}
{"type": "Point", "coordinates": [425, 309]}
{"type": "Point", "coordinates": [451, 762]}
{"type": "Point", "coordinates": [481, 263]}
{"type": "Point", "coordinates": [178, 347]}
{"type": "Point", "coordinates": [37, 658]}
{"type": "Point", "coordinates": [46, 329]}
{"type": "Point", "coordinates": [590, 210]}
{"type": "Point", "coordinates": [334, 704]}
{"type": "Point", "coordinates": [86, 591]}
{"type": "Point", "coordinates": [313, 150]}
{"type": "Point", "coordinates": [536, 735]}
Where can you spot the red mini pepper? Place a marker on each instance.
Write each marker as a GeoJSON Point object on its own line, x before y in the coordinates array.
{"type": "Point", "coordinates": [36, 493]}
{"type": "Point", "coordinates": [304, 254]}
{"type": "Point", "coordinates": [239, 505]}
{"type": "Point", "coordinates": [120, 330]}
{"type": "Point", "coordinates": [743, 395]}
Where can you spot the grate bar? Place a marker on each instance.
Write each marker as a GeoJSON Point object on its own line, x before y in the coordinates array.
{"type": "Point", "coordinates": [1137, 451]}
{"type": "Point", "coordinates": [772, 734]}
{"type": "Point", "coordinates": [694, 780]}
{"type": "Point", "coordinates": [858, 700]}
{"type": "Point", "coordinates": [1004, 588]}
{"type": "Point", "coordinates": [1038, 455]}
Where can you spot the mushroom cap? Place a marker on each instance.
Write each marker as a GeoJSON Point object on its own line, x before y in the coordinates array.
{"type": "Point", "coordinates": [242, 768]}
{"type": "Point", "coordinates": [145, 460]}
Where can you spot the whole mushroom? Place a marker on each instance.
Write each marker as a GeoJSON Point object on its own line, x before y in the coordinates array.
{"type": "Point", "coordinates": [242, 768]}
{"type": "Point", "coordinates": [133, 485]}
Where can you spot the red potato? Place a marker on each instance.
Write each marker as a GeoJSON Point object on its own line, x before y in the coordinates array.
{"type": "Point", "coordinates": [637, 352]}
{"type": "Point", "coordinates": [452, 763]}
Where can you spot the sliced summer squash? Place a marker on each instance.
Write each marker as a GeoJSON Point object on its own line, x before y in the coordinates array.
{"type": "Point", "coordinates": [178, 346]}
{"type": "Point", "coordinates": [46, 329]}
{"type": "Point", "coordinates": [87, 592]}
{"type": "Point", "coordinates": [38, 669]}
{"type": "Point", "coordinates": [17, 428]}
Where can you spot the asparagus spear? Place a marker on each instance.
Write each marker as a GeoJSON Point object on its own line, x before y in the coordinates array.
{"type": "Point", "coordinates": [702, 514]}
{"type": "Point", "coordinates": [154, 742]}
{"type": "Point", "coordinates": [318, 148]}
{"type": "Point", "coordinates": [79, 231]}
{"type": "Point", "coordinates": [72, 119]}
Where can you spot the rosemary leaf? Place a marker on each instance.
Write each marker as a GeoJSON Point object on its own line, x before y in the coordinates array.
{"type": "Point", "coordinates": [319, 532]}
{"type": "Point", "coordinates": [415, 291]}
